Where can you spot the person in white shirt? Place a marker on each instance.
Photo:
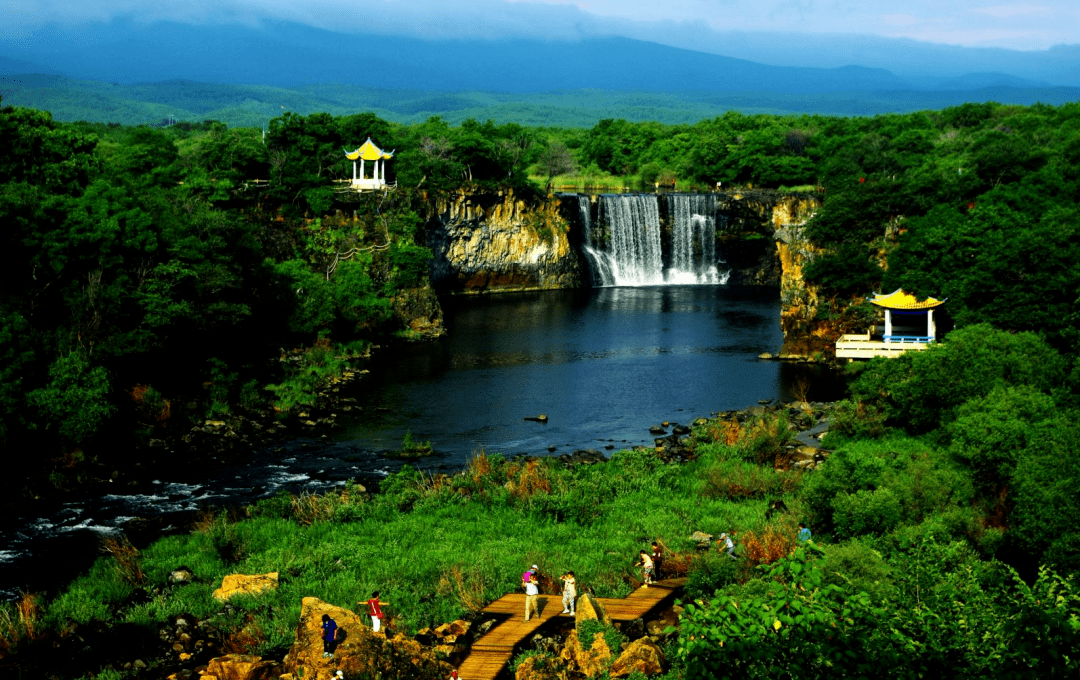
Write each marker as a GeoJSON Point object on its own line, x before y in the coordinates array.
{"type": "Point", "coordinates": [531, 591]}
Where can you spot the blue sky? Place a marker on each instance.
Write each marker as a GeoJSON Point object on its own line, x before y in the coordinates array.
{"type": "Point", "coordinates": [973, 23]}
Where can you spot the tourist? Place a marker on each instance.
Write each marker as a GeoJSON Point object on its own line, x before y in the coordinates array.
{"type": "Point", "coordinates": [728, 545]}
{"type": "Point", "coordinates": [657, 559]}
{"type": "Point", "coordinates": [531, 591]}
{"type": "Point", "coordinates": [804, 534]}
{"type": "Point", "coordinates": [329, 636]}
{"type": "Point", "coordinates": [375, 610]}
{"type": "Point", "coordinates": [646, 564]}
{"type": "Point", "coordinates": [569, 593]}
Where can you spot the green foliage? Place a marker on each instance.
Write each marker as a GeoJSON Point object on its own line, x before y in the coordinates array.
{"type": "Point", "coordinates": [76, 400]}
{"type": "Point", "coordinates": [921, 390]}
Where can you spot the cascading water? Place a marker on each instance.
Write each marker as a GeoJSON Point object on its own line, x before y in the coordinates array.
{"type": "Point", "coordinates": [601, 261]}
{"type": "Point", "coordinates": [633, 225]}
{"type": "Point", "coordinates": [693, 239]}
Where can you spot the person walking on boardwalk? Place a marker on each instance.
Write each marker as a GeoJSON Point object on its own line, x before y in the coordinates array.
{"type": "Point", "coordinates": [569, 593]}
{"type": "Point", "coordinates": [329, 636]}
{"type": "Point", "coordinates": [657, 559]}
{"type": "Point", "coordinates": [375, 610]}
{"type": "Point", "coordinates": [646, 564]}
{"type": "Point", "coordinates": [531, 591]}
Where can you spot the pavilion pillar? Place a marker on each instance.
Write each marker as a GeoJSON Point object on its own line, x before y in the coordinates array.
{"type": "Point", "coordinates": [376, 171]}
{"type": "Point", "coordinates": [354, 172]}
{"type": "Point", "coordinates": [363, 172]}
{"type": "Point", "coordinates": [888, 324]}
{"type": "Point", "coordinates": [931, 331]}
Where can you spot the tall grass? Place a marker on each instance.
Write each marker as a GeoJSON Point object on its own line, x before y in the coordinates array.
{"type": "Point", "coordinates": [437, 547]}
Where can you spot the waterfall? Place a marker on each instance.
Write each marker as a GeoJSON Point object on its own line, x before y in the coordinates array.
{"type": "Point", "coordinates": [601, 261]}
{"type": "Point", "coordinates": [633, 225]}
{"type": "Point", "coordinates": [693, 239]}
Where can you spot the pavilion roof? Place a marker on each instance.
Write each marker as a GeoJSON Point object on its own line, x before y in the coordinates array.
{"type": "Point", "coordinates": [899, 299]}
{"type": "Point", "coordinates": [368, 152]}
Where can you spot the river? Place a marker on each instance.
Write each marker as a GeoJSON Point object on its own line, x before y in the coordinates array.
{"type": "Point", "coordinates": [603, 364]}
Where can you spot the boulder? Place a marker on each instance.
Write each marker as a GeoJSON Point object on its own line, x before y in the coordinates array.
{"type": "Point", "coordinates": [702, 539]}
{"type": "Point", "coordinates": [642, 656]}
{"type": "Point", "coordinates": [542, 418]}
{"type": "Point", "coordinates": [590, 661]}
{"type": "Point", "coordinates": [541, 667]}
{"type": "Point", "coordinates": [360, 651]}
{"type": "Point", "coordinates": [242, 667]}
{"type": "Point", "coordinates": [590, 609]}
{"type": "Point", "coordinates": [181, 575]}
{"type": "Point", "coordinates": [657, 429]}
{"type": "Point", "coordinates": [243, 584]}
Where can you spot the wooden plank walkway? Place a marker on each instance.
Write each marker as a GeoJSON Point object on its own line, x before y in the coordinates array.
{"type": "Point", "coordinates": [491, 652]}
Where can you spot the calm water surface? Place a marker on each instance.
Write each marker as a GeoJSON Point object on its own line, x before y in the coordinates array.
{"type": "Point", "coordinates": [602, 364]}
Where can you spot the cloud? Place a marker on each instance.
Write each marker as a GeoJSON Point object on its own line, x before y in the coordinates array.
{"type": "Point", "coordinates": [963, 22]}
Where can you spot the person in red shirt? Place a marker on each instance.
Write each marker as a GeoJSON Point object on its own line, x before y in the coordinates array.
{"type": "Point", "coordinates": [375, 610]}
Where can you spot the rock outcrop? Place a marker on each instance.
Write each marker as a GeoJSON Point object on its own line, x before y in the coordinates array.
{"type": "Point", "coordinates": [642, 656]}
{"type": "Point", "coordinates": [360, 652]}
{"type": "Point", "coordinates": [243, 584]}
{"type": "Point", "coordinates": [590, 609]}
{"type": "Point", "coordinates": [589, 658]}
{"type": "Point", "coordinates": [241, 667]}
{"type": "Point", "coordinates": [486, 242]}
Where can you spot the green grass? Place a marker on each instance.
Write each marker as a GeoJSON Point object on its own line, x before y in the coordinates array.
{"type": "Point", "coordinates": [434, 547]}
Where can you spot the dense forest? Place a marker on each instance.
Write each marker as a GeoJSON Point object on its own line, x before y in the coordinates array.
{"type": "Point", "coordinates": [149, 283]}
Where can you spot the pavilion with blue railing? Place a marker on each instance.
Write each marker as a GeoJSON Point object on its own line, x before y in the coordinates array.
{"type": "Point", "coordinates": [909, 325]}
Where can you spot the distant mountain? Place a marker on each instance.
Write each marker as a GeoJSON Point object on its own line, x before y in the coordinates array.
{"type": "Point", "coordinates": [254, 105]}
{"type": "Point", "coordinates": [289, 55]}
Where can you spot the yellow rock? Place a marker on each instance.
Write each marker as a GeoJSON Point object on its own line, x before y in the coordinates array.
{"type": "Point", "coordinates": [242, 584]}
{"type": "Point", "coordinates": [241, 667]}
{"type": "Point", "coordinates": [642, 656]}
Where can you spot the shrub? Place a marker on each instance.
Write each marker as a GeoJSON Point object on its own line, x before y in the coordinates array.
{"type": "Point", "coordinates": [866, 512]}
{"type": "Point", "coordinates": [710, 572]}
{"type": "Point", "coordinates": [856, 420]}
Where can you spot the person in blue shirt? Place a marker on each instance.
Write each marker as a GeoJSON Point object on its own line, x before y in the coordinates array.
{"type": "Point", "coordinates": [329, 636]}
{"type": "Point", "coordinates": [804, 533]}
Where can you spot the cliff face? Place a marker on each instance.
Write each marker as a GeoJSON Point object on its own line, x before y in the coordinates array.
{"type": "Point", "coordinates": [497, 242]}
{"type": "Point", "coordinates": [765, 243]}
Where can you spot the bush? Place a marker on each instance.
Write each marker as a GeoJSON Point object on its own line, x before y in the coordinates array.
{"type": "Point", "coordinates": [710, 572]}
{"type": "Point", "coordinates": [866, 512]}
{"type": "Point", "coordinates": [921, 390]}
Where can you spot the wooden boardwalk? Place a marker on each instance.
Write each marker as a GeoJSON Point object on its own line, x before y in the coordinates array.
{"type": "Point", "coordinates": [491, 652]}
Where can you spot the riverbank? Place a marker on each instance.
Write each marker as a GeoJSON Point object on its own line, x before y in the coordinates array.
{"type": "Point", "coordinates": [436, 545]}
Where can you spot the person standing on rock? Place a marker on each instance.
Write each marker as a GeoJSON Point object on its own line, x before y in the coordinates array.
{"type": "Point", "coordinates": [531, 593]}
{"type": "Point", "coordinates": [329, 636]}
{"type": "Point", "coordinates": [569, 593]}
{"type": "Point", "coordinates": [646, 564]}
{"type": "Point", "coordinates": [375, 610]}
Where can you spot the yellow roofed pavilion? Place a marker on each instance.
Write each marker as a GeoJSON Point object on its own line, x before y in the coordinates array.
{"type": "Point", "coordinates": [368, 152]}
{"type": "Point", "coordinates": [916, 329]}
{"type": "Point", "coordinates": [901, 300]}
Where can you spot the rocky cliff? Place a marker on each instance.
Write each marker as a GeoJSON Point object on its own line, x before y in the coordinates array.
{"type": "Point", "coordinates": [495, 241]}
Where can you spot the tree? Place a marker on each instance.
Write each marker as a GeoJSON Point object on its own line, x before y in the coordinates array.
{"type": "Point", "coordinates": [556, 159]}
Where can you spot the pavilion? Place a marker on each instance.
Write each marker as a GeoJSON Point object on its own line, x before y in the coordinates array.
{"type": "Point", "coordinates": [369, 152]}
{"type": "Point", "coordinates": [909, 325]}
